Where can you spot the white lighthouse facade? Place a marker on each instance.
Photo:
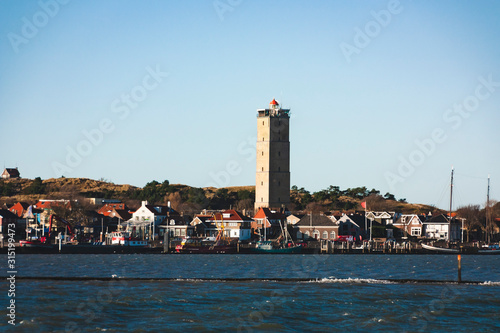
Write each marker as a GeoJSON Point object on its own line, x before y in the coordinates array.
{"type": "Point", "coordinates": [272, 187]}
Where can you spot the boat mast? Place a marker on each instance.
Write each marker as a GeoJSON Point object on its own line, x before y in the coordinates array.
{"type": "Point", "coordinates": [451, 204]}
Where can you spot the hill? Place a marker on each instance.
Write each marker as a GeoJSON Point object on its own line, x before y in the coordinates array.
{"type": "Point", "coordinates": [191, 199]}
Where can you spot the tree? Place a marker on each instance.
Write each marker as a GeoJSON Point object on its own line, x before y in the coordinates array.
{"type": "Point", "coordinates": [36, 187]}
{"type": "Point", "coordinates": [472, 218]}
{"type": "Point", "coordinates": [389, 196]}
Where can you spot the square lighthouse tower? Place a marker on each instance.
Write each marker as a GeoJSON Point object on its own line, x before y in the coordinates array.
{"type": "Point", "coordinates": [272, 181]}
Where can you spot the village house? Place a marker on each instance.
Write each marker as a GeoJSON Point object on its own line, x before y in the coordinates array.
{"type": "Point", "coordinates": [410, 225]}
{"type": "Point", "coordinates": [316, 226]}
{"type": "Point", "coordinates": [204, 226]}
{"type": "Point", "coordinates": [353, 225]}
{"type": "Point", "coordinates": [292, 219]}
{"type": "Point", "coordinates": [107, 208]}
{"type": "Point", "coordinates": [440, 228]}
{"type": "Point", "coordinates": [20, 208]}
{"type": "Point", "coordinates": [9, 173]}
{"type": "Point", "coordinates": [235, 224]}
{"type": "Point", "coordinates": [384, 218]}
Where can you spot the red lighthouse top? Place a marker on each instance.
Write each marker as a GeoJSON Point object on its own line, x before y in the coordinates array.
{"type": "Point", "coordinates": [273, 102]}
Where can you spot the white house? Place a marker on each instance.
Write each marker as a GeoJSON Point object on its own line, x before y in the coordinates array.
{"type": "Point", "coordinates": [440, 227]}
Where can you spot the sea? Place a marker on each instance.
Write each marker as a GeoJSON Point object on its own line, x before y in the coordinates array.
{"type": "Point", "coordinates": [252, 293]}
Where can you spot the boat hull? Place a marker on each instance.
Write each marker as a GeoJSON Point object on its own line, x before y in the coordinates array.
{"type": "Point", "coordinates": [286, 250]}
{"type": "Point", "coordinates": [206, 249]}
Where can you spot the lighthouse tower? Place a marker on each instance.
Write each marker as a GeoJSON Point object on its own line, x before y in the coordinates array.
{"type": "Point", "coordinates": [272, 181]}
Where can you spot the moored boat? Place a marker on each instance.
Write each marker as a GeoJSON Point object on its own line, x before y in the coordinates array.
{"type": "Point", "coordinates": [439, 249]}
{"type": "Point", "coordinates": [270, 247]}
{"type": "Point", "coordinates": [198, 245]}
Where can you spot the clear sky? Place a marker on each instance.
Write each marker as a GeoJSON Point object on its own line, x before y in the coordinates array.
{"type": "Point", "coordinates": [383, 94]}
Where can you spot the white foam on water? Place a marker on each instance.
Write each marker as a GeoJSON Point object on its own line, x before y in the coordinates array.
{"type": "Point", "coordinates": [490, 283]}
{"type": "Point", "coordinates": [352, 281]}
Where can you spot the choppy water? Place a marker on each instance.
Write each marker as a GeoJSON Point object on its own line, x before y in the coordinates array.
{"type": "Point", "coordinates": [346, 292]}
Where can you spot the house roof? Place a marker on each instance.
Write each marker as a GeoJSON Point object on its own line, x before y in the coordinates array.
{"type": "Point", "coordinates": [120, 213]}
{"type": "Point", "coordinates": [408, 219]}
{"type": "Point", "coordinates": [5, 213]}
{"type": "Point", "coordinates": [108, 208]}
{"type": "Point", "coordinates": [267, 213]}
{"type": "Point", "coordinates": [438, 219]}
{"type": "Point", "coordinates": [231, 215]}
{"type": "Point", "coordinates": [19, 208]}
{"type": "Point", "coordinates": [316, 221]}
{"type": "Point", "coordinates": [47, 204]}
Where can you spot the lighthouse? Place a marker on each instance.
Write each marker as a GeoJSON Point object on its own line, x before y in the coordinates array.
{"type": "Point", "coordinates": [272, 179]}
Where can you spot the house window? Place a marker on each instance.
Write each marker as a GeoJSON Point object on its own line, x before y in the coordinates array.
{"type": "Point", "coordinates": [261, 183]}
{"type": "Point", "coordinates": [332, 235]}
{"type": "Point", "coordinates": [307, 234]}
{"type": "Point", "coordinates": [279, 168]}
{"type": "Point", "coordinates": [403, 219]}
{"type": "Point", "coordinates": [261, 199]}
{"type": "Point", "coordinates": [325, 234]}
{"type": "Point", "coordinates": [262, 153]}
{"type": "Point", "coordinates": [279, 183]}
{"type": "Point", "coordinates": [316, 234]}
{"type": "Point", "coordinates": [262, 138]}
{"type": "Point", "coordinates": [279, 153]}
{"type": "Point", "coordinates": [262, 122]}
{"type": "Point", "coordinates": [262, 168]}
{"type": "Point", "coordinates": [416, 231]}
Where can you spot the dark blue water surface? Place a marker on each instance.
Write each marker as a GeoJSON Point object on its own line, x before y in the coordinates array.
{"type": "Point", "coordinates": [345, 292]}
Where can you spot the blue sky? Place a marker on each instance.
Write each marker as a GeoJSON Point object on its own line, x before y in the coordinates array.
{"type": "Point", "coordinates": [383, 94]}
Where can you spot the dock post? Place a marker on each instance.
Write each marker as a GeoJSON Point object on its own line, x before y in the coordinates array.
{"type": "Point", "coordinates": [459, 268]}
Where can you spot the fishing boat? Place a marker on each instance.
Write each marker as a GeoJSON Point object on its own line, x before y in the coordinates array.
{"type": "Point", "coordinates": [219, 244]}
{"type": "Point", "coordinates": [194, 245]}
{"type": "Point", "coordinates": [282, 245]}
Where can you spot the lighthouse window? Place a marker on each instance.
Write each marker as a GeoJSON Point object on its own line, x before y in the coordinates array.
{"type": "Point", "coordinates": [279, 183]}
{"type": "Point", "coordinates": [279, 153]}
{"type": "Point", "coordinates": [262, 168]}
{"type": "Point", "coordinates": [262, 138]}
{"type": "Point", "coordinates": [262, 122]}
{"type": "Point", "coordinates": [261, 199]}
{"type": "Point", "coordinates": [262, 153]}
{"type": "Point", "coordinates": [261, 183]}
{"type": "Point", "coordinates": [279, 168]}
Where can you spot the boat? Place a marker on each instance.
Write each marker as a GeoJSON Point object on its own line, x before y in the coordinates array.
{"type": "Point", "coordinates": [282, 245]}
{"type": "Point", "coordinates": [271, 247]}
{"type": "Point", "coordinates": [491, 249]}
{"type": "Point", "coordinates": [439, 249]}
{"type": "Point", "coordinates": [194, 245]}
{"type": "Point", "coordinates": [209, 245]}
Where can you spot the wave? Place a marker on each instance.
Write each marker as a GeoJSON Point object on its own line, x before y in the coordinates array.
{"type": "Point", "coordinates": [490, 283]}
{"type": "Point", "coordinates": [352, 281]}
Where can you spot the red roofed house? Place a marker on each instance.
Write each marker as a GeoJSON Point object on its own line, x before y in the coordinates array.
{"type": "Point", "coordinates": [266, 223]}
{"type": "Point", "coordinates": [108, 208]}
{"type": "Point", "coordinates": [235, 224]}
{"type": "Point", "coordinates": [49, 204]}
{"type": "Point", "coordinates": [19, 208]}
{"type": "Point", "coordinates": [10, 173]}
